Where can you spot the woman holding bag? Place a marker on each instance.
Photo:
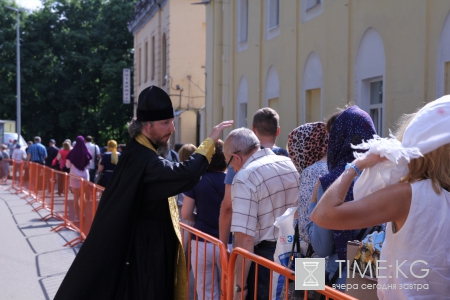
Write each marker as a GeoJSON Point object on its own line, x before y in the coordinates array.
{"type": "Point", "coordinates": [307, 145]}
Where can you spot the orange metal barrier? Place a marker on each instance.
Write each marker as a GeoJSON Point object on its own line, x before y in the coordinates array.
{"type": "Point", "coordinates": [214, 252]}
{"type": "Point", "coordinates": [68, 198]}
{"type": "Point", "coordinates": [329, 292]}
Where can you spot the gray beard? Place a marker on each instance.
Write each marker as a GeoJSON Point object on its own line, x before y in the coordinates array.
{"type": "Point", "coordinates": [163, 149]}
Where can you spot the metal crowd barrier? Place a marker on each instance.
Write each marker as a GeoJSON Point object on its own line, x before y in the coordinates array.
{"type": "Point", "coordinates": [74, 200]}
{"type": "Point", "coordinates": [249, 257]}
{"type": "Point", "coordinates": [214, 255]}
{"type": "Point", "coordinates": [68, 198]}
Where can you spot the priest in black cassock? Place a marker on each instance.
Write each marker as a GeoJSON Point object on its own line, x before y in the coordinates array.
{"type": "Point", "coordinates": [133, 250]}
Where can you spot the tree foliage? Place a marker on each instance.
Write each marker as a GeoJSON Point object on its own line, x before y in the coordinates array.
{"type": "Point", "coordinates": [72, 56]}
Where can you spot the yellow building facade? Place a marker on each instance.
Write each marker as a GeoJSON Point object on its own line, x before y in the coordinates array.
{"type": "Point", "coordinates": [169, 52]}
{"type": "Point", "coordinates": [305, 58]}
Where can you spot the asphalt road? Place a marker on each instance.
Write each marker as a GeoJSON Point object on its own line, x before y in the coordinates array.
{"type": "Point", "coordinates": [33, 260]}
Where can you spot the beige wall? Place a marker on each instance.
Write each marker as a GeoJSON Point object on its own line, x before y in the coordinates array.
{"type": "Point", "coordinates": [184, 27]}
{"type": "Point", "coordinates": [409, 30]}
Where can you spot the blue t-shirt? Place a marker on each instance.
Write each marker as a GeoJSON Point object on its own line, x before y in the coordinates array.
{"type": "Point", "coordinates": [208, 199]}
{"type": "Point", "coordinates": [231, 173]}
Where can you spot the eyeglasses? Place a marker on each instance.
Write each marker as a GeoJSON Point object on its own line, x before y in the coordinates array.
{"type": "Point", "coordinates": [229, 162]}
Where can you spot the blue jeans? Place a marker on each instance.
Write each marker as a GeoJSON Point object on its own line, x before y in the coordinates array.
{"type": "Point", "coordinates": [265, 250]}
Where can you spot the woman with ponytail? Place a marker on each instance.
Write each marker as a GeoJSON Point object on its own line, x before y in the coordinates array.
{"type": "Point", "coordinates": [108, 162]}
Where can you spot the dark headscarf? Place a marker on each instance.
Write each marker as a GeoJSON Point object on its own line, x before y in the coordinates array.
{"type": "Point", "coordinates": [80, 156]}
{"type": "Point", "coordinates": [351, 127]}
{"type": "Point", "coordinates": [307, 144]}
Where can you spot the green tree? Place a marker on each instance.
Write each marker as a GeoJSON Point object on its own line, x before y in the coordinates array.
{"type": "Point", "coordinates": [73, 53]}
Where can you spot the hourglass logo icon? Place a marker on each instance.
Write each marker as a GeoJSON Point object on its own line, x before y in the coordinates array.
{"type": "Point", "coordinates": [310, 273]}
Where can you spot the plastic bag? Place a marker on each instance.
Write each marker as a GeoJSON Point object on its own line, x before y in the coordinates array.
{"type": "Point", "coordinates": [284, 248]}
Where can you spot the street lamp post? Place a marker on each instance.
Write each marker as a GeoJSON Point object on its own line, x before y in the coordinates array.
{"type": "Point", "coordinates": [18, 124]}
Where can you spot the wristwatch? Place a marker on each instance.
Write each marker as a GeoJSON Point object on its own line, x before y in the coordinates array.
{"type": "Point", "coordinates": [237, 288]}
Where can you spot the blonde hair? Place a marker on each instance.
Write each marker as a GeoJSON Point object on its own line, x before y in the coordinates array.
{"type": "Point", "coordinates": [112, 147]}
{"type": "Point", "coordinates": [433, 165]}
{"type": "Point", "coordinates": [186, 151]}
{"type": "Point", "coordinates": [66, 146]}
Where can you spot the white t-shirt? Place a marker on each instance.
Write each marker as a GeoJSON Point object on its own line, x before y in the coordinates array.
{"type": "Point", "coordinates": [92, 148]}
{"type": "Point", "coordinates": [18, 154]}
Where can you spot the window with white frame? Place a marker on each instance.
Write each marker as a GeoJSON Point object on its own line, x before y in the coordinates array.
{"type": "Point", "coordinates": [274, 14]}
{"type": "Point", "coordinates": [376, 105]}
{"type": "Point", "coordinates": [242, 28]}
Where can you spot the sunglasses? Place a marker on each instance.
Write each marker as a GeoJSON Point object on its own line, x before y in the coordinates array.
{"type": "Point", "coordinates": [231, 159]}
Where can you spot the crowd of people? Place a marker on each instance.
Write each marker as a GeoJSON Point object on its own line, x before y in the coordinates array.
{"type": "Point", "coordinates": [87, 160]}
{"type": "Point", "coordinates": [235, 189]}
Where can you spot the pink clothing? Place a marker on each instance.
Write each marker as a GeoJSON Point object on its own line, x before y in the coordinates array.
{"type": "Point", "coordinates": [62, 162]}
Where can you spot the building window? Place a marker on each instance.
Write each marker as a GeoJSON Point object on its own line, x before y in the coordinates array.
{"type": "Point", "coordinates": [146, 63]}
{"type": "Point", "coordinates": [242, 122]}
{"type": "Point", "coordinates": [312, 98]}
{"type": "Point", "coordinates": [242, 21]}
{"type": "Point", "coordinates": [163, 59]}
{"type": "Point", "coordinates": [274, 13]}
{"type": "Point", "coordinates": [311, 9]}
{"type": "Point", "coordinates": [272, 18]}
{"type": "Point", "coordinates": [242, 100]}
{"type": "Point", "coordinates": [311, 4]}
{"type": "Point", "coordinates": [139, 67]}
{"type": "Point", "coordinates": [153, 58]}
{"type": "Point", "coordinates": [376, 105]}
{"type": "Point", "coordinates": [447, 78]}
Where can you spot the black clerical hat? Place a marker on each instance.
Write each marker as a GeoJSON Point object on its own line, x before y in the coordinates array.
{"type": "Point", "coordinates": [153, 105]}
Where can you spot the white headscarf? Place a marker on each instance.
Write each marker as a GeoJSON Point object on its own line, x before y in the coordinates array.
{"type": "Point", "coordinates": [429, 130]}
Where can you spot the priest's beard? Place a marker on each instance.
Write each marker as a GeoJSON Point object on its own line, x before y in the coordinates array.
{"type": "Point", "coordinates": [163, 149]}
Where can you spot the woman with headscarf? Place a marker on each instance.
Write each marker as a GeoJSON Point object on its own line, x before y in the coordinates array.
{"type": "Point", "coordinates": [352, 126]}
{"type": "Point", "coordinates": [307, 146]}
{"type": "Point", "coordinates": [108, 162]}
{"type": "Point", "coordinates": [406, 183]}
{"type": "Point", "coordinates": [77, 161]}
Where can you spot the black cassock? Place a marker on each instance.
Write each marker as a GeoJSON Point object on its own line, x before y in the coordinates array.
{"type": "Point", "coordinates": [131, 249]}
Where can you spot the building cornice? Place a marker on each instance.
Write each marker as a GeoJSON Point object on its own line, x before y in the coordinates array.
{"type": "Point", "coordinates": [144, 10]}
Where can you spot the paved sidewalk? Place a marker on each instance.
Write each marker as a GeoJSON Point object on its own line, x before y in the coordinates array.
{"type": "Point", "coordinates": [33, 261]}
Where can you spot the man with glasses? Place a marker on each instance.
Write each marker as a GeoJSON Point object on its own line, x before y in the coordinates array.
{"type": "Point", "coordinates": [265, 185]}
{"type": "Point", "coordinates": [266, 126]}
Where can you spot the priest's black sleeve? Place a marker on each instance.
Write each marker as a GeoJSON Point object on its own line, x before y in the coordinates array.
{"type": "Point", "coordinates": [167, 179]}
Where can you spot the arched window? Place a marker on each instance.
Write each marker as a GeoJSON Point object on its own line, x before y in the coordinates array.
{"type": "Point", "coordinates": [272, 89]}
{"type": "Point", "coordinates": [369, 74]}
{"type": "Point", "coordinates": [163, 59]}
{"type": "Point", "coordinates": [241, 103]}
{"type": "Point", "coordinates": [312, 81]}
{"type": "Point", "coordinates": [443, 61]}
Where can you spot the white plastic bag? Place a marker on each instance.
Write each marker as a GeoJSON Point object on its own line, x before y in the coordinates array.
{"type": "Point", "coordinates": [284, 248]}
